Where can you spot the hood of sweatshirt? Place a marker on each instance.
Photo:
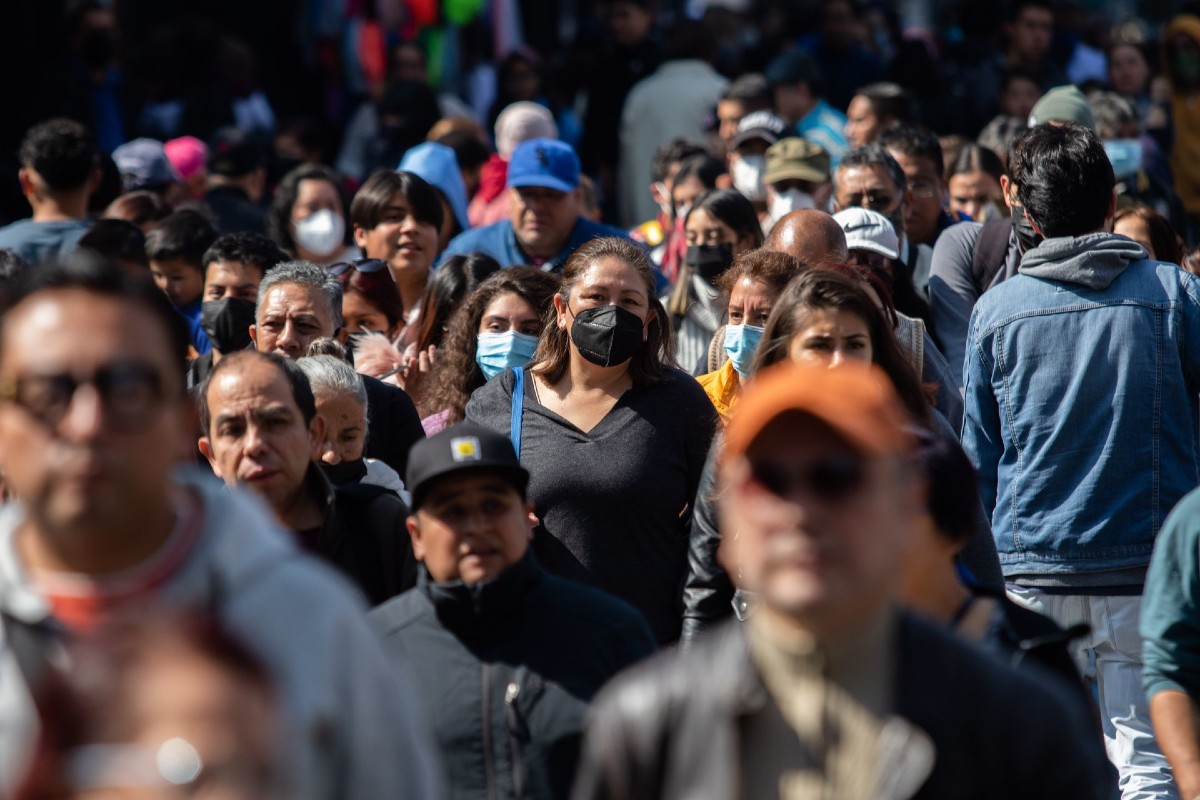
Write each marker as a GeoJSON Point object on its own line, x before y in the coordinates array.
{"type": "Point", "coordinates": [1093, 260]}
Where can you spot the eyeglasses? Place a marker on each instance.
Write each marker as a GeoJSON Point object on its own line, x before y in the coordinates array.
{"type": "Point", "coordinates": [833, 479]}
{"type": "Point", "coordinates": [876, 262]}
{"type": "Point", "coordinates": [129, 391]}
{"type": "Point", "coordinates": [874, 201]}
{"type": "Point", "coordinates": [924, 189]}
{"type": "Point", "coordinates": [361, 265]}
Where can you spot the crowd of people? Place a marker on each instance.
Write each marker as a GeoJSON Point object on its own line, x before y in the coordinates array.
{"type": "Point", "coordinates": [793, 412]}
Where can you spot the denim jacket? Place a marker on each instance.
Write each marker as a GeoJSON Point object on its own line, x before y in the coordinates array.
{"type": "Point", "coordinates": [1080, 392]}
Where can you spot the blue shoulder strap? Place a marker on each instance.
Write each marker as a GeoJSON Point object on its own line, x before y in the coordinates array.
{"type": "Point", "coordinates": [518, 408]}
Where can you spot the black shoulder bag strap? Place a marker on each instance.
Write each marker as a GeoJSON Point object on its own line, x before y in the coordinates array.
{"type": "Point", "coordinates": [991, 248]}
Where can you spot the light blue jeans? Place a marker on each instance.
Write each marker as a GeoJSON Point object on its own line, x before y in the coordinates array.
{"type": "Point", "coordinates": [1110, 657]}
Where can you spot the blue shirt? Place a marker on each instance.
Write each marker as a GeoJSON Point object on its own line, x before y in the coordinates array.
{"type": "Point", "coordinates": [42, 241]}
{"type": "Point", "coordinates": [196, 335]}
{"type": "Point", "coordinates": [499, 241]}
{"type": "Point", "coordinates": [826, 126]}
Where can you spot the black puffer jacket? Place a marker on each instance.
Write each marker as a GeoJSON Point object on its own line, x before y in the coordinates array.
{"type": "Point", "coordinates": [507, 669]}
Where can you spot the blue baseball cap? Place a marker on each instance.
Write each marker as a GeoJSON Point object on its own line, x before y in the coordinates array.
{"type": "Point", "coordinates": [544, 162]}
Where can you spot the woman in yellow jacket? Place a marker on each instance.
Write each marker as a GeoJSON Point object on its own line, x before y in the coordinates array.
{"type": "Point", "coordinates": [750, 288]}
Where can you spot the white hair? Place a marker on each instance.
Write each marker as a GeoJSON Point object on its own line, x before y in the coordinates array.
{"type": "Point", "coordinates": [330, 377]}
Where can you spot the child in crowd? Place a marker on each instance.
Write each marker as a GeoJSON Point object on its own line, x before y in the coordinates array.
{"type": "Point", "coordinates": [176, 251]}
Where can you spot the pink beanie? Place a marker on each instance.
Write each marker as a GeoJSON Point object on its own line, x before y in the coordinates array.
{"type": "Point", "coordinates": [187, 155]}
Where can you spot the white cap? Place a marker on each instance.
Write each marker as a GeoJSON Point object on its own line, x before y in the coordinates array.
{"type": "Point", "coordinates": [868, 230]}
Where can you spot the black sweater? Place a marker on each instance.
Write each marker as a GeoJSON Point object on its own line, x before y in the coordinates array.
{"type": "Point", "coordinates": [614, 503]}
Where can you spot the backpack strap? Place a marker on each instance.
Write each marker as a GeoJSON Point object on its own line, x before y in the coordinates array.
{"type": "Point", "coordinates": [987, 259]}
{"type": "Point", "coordinates": [518, 408]}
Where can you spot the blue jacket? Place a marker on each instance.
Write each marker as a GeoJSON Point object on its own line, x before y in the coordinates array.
{"type": "Point", "coordinates": [499, 241]}
{"type": "Point", "coordinates": [1080, 404]}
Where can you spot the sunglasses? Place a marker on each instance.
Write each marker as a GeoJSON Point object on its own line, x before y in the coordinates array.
{"type": "Point", "coordinates": [366, 265]}
{"type": "Point", "coordinates": [129, 392]}
{"type": "Point", "coordinates": [833, 479]}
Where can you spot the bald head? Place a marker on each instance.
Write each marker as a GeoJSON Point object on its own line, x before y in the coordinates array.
{"type": "Point", "coordinates": [812, 236]}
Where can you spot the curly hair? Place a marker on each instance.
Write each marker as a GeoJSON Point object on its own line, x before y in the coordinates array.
{"type": "Point", "coordinates": [819, 289]}
{"type": "Point", "coordinates": [458, 375]}
{"type": "Point", "coordinates": [554, 350]}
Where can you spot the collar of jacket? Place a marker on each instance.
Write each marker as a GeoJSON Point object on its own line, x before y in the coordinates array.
{"type": "Point", "coordinates": [467, 605]}
{"type": "Point", "coordinates": [316, 484]}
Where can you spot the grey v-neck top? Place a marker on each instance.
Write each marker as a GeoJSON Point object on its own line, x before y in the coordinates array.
{"type": "Point", "coordinates": [615, 502]}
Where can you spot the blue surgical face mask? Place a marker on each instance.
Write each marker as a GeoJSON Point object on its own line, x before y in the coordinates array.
{"type": "Point", "coordinates": [740, 343]}
{"type": "Point", "coordinates": [496, 352]}
{"type": "Point", "coordinates": [1125, 155]}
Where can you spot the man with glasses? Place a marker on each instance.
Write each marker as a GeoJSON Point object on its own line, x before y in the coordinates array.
{"type": "Point", "coordinates": [94, 418]}
{"type": "Point", "coordinates": [300, 302]}
{"type": "Point", "coordinates": [827, 689]}
{"type": "Point", "coordinates": [869, 177]}
{"type": "Point", "coordinates": [919, 154]}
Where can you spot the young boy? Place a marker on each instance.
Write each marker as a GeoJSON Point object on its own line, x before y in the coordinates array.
{"type": "Point", "coordinates": [176, 249]}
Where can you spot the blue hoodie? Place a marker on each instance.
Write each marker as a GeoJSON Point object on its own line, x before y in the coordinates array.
{"type": "Point", "coordinates": [438, 166]}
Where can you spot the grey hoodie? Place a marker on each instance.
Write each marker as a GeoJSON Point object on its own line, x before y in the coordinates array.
{"type": "Point", "coordinates": [349, 729]}
{"type": "Point", "coordinates": [1093, 260]}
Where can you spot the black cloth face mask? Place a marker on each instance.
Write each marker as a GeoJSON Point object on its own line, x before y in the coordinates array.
{"type": "Point", "coordinates": [709, 260]}
{"type": "Point", "coordinates": [606, 335]}
{"type": "Point", "coordinates": [1027, 237]}
{"type": "Point", "coordinates": [344, 472]}
{"type": "Point", "coordinates": [227, 323]}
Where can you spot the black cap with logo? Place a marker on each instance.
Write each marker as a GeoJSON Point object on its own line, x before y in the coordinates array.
{"type": "Point", "coordinates": [461, 448]}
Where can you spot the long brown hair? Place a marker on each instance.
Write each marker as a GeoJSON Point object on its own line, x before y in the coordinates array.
{"type": "Point", "coordinates": [818, 289]}
{"type": "Point", "coordinates": [458, 375]}
{"type": "Point", "coordinates": [554, 350]}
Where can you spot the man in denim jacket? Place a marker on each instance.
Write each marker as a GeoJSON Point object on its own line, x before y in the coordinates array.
{"type": "Point", "coordinates": [1080, 412]}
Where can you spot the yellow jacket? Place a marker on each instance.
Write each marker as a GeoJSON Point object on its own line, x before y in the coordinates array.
{"type": "Point", "coordinates": [722, 388]}
{"type": "Point", "coordinates": [1185, 119]}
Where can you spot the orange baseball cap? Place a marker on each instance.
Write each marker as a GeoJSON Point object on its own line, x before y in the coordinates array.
{"type": "Point", "coordinates": [857, 401]}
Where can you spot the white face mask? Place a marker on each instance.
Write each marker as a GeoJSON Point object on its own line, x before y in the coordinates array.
{"type": "Point", "coordinates": [320, 232]}
{"type": "Point", "coordinates": [785, 203]}
{"type": "Point", "coordinates": [747, 172]}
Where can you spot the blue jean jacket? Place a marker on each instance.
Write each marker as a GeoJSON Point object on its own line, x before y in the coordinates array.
{"type": "Point", "coordinates": [1080, 412]}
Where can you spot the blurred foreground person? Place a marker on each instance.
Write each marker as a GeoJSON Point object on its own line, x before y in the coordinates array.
{"type": "Point", "coordinates": [154, 705]}
{"type": "Point", "coordinates": [94, 417]}
{"type": "Point", "coordinates": [828, 690]}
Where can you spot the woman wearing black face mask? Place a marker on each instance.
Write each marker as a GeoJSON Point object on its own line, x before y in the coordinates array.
{"type": "Point", "coordinates": [341, 399]}
{"type": "Point", "coordinates": [720, 226]}
{"type": "Point", "coordinates": [613, 435]}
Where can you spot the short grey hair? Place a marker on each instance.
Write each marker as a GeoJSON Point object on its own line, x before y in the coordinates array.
{"type": "Point", "coordinates": [869, 155]}
{"type": "Point", "coordinates": [303, 273]}
{"type": "Point", "coordinates": [329, 376]}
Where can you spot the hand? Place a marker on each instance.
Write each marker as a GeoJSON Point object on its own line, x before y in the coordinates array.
{"type": "Point", "coordinates": [426, 359]}
{"type": "Point", "coordinates": [374, 355]}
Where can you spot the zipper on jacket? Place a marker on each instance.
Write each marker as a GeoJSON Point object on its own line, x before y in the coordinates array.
{"type": "Point", "coordinates": [489, 756]}
{"type": "Point", "coordinates": [517, 731]}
